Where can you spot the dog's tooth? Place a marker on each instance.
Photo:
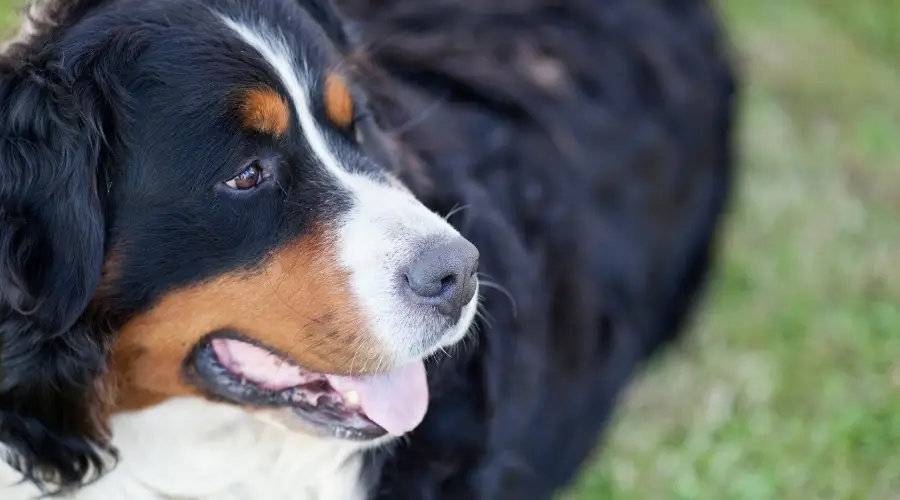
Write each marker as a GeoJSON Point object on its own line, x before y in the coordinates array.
{"type": "Point", "coordinates": [352, 398]}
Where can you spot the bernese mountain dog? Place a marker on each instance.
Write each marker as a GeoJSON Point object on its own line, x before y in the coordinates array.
{"type": "Point", "coordinates": [345, 249]}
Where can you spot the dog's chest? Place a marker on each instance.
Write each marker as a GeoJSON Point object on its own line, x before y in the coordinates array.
{"type": "Point", "coordinates": [192, 450]}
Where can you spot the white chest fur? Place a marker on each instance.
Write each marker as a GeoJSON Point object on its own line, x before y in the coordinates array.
{"type": "Point", "coordinates": [190, 449]}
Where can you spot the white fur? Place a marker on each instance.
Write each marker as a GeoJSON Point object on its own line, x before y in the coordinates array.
{"type": "Point", "coordinates": [385, 229]}
{"type": "Point", "coordinates": [37, 12]}
{"type": "Point", "coordinates": [192, 449]}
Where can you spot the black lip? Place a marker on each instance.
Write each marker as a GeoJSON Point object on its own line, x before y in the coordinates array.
{"type": "Point", "coordinates": [203, 368]}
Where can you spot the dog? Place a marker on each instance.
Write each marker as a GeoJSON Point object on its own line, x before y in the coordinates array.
{"type": "Point", "coordinates": [304, 249]}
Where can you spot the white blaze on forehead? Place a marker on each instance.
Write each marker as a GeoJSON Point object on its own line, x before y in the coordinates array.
{"type": "Point", "coordinates": [385, 228]}
{"type": "Point", "coordinates": [276, 52]}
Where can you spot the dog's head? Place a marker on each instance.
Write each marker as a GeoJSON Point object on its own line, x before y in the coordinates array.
{"type": "Point", "coordinates": [195, 200]}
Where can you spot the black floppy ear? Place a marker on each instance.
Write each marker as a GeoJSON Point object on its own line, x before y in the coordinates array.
{"type": "Point", "coordinates": [51, 255]}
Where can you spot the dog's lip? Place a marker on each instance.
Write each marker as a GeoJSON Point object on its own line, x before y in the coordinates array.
{"type": "Point", "coordinates": [313, 400]}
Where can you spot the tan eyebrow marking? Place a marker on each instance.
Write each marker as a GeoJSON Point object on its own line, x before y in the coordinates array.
{"type": "Point", "coordinates": [264, 110]}
{"type": "Point", "coordinates": [338, 102]}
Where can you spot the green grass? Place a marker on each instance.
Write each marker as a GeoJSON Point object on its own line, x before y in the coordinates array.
{"type": "Point", "coordinates": [789, 387]}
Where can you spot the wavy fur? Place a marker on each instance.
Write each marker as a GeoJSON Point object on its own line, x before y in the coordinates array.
{"type": "Point", "coordinates": [587, 146]}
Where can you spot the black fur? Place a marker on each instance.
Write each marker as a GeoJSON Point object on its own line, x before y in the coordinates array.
{"type": "Point", "coordinates": [52, 231]}
{"type": "Point", "coordinates": [588, 145]}
{"type": "Point", "coordinates": [594, 196]}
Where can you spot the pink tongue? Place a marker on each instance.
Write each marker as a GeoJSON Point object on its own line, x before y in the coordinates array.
{"type": "Point", "coordinates": [397, 400]}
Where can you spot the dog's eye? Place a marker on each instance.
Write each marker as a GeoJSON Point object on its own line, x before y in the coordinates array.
{"type": "Point", "coordinates": [251, 177]}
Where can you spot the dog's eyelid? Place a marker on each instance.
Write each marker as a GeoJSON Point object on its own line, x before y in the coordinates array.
{"type": "Point", "coordinates": [253, 174]}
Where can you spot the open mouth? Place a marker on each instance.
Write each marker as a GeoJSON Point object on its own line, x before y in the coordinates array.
{"type": "Point", "coordinates": [348, 407]}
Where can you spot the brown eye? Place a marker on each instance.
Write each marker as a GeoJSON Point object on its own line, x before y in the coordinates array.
{"type": "Point", "coordinates": [248, 179]}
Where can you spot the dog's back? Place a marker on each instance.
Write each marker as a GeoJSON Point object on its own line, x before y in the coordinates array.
{"type": "Point", "coordinates": [587, 147]}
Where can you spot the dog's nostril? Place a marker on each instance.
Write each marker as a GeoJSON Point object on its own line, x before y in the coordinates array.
{"type": "Point", "coordinates": [444, 276]}
{"type": "Point", "coordinates": [447, 282]}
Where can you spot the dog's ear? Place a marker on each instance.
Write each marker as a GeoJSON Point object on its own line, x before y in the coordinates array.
{"type": "Point", "coordinates": [51, 255]}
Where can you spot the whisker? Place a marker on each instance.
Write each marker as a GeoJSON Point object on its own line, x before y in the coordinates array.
{"type": "Point", "coordinates": [381, 361]}
{"type": "Point", "coordinates": [484, 316]}
{"type": "Point", "coordinates": [421, 117]}
{"type": "Point", "coordinates": [359, 343]}
{"type": "Point", "coordinates": [368, 50]}
{"type": "Point", "coordinates": [502, 289]}
{"type": "Point", "coordinates": [455, 210]}
{"type": "Point", "coordinates": [281, 187]}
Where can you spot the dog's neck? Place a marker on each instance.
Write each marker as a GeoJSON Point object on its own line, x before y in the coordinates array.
{"type": "Point", "coordinates": [194, 449]}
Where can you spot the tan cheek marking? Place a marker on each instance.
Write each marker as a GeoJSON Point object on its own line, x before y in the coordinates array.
{"type": "Point", "coordinates": [299, 304]}
{"type": "Point", "coordinates": [338, 102]}
{"type": "Point", "coordinates": [264, 110]}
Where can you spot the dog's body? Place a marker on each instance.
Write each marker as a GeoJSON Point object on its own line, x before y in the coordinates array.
{"type": "Point", "coordinates": [583, 147]}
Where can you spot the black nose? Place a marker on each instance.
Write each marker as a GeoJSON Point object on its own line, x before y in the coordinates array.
{"type": "Point", "coordinates": [443, 276]}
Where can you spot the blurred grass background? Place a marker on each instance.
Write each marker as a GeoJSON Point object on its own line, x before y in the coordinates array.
{"type": "Point", "coordinates": [789, 387]}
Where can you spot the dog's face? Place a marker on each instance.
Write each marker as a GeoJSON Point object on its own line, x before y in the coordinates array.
{"type": "Point", "coordinates": [197, 201]}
